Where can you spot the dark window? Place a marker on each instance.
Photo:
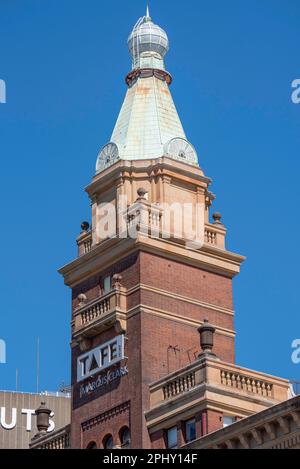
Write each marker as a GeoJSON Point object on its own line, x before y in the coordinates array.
{"type": "Point", "coordinates": [190, 430]}
{"type": "Point", "coordinates": [125, 437]}
{"type": "Point", "coordinates": [172, 438]}
{"type": "Point", "coordinates": [108, 442]}
{"type": "Point", "coordinates": [92, 445]}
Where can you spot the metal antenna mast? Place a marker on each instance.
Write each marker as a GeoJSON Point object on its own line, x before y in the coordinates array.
{"type": "Point", "coordinates": [38, 365]}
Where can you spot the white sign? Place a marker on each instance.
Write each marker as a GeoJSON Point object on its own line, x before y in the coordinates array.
{"type": "Point", "coordinates": [9, 422]}
{"type": "Point", "coordinates": [100, 358]}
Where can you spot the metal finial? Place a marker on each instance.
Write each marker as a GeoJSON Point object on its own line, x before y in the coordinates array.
{"type": "Point", "coordinates": [147, 12]}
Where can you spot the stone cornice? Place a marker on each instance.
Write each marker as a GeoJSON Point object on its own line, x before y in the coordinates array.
{"type": "Point", "coordinates": [210, 258]}
{"type": "Point", "coordinates": [112, 250]}
{"type": "Point", "coordinates": [159, 166]}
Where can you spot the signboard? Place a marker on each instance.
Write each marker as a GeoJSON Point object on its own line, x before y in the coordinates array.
{"type": "Point", "coordinates": [100, 358]}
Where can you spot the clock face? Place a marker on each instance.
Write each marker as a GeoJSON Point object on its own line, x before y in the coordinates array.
{"type": "Point", "coordinates": [182, 150]}
{"type": "Point", "coordinates": [107, 156]}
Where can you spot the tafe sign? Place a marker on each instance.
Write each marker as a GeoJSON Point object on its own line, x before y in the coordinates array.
{"type": "Point", "coordinates": [100, 358]}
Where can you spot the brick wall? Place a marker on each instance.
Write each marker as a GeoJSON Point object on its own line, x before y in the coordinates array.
{"type": "Point", "coordinates": [214, 420]}
{"type": "Point", "coordinates": [156, 345]}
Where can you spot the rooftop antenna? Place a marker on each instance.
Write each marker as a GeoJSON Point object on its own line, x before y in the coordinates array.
{"type": "Point", "coordinates": [38, 365]}
{"type": "Point", "coordinates": [17, 379]}
{"type": "Point", "coordinates": [147, 12]}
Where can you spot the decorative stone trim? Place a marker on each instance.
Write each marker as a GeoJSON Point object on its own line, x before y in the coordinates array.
{"type": "Point", "coordinates": [140, 308]}
{"type": "Point", "coordinates": [186, 299]}
{"type": "Point", "coordinates": [94, 421]}
{"type": "Point", "coordinates": [293, 442]}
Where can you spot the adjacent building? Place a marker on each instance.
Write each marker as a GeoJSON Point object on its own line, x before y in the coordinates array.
{"type": "Point", "coordinates": [17, 416]}
{"type": "Point", "coordinates": [275, 428]}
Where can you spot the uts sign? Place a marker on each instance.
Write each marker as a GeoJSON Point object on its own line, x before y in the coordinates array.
{"type": "Point", "coordinates": [9, 422]}
{"type": "Point", "coordinates": [100, 358]}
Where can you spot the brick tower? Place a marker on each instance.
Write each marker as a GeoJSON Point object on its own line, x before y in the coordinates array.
{"type": "Point", "coordinates": [152, 266]}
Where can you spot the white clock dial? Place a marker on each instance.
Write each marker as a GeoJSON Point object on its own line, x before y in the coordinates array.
{"type": "Point", "coordinates": [182, 150]}
{"type": "Point", "coordinates": [107, 156]}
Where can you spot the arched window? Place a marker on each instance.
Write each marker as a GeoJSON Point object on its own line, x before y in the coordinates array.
{"type": "Point", "coordinates": [92, 445]}
{"type": "Point", "coordinates": [108, 442]}
{"type": "Point", "coordinates": [125, 437]}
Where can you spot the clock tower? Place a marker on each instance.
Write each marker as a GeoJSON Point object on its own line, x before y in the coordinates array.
{"type": "Point", "coordinates": [152, 266]}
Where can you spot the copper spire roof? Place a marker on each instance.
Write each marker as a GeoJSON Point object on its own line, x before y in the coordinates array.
{"type": "Point", "coordinates": [148, 125]}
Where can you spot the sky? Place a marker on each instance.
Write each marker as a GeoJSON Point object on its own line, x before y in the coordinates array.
{"type": "Point", "coordinates": [64, 64]}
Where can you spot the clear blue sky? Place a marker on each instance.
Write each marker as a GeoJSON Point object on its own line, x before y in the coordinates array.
{"type": "Point", "coordinates": [64, 63]}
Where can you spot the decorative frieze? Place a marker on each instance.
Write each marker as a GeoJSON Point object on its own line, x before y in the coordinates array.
{"type": "Point", "coordinates": [103, 417]}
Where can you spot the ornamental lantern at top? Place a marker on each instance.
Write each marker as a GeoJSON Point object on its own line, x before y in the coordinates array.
{"type": "Point", "coordinates": [148, 44]}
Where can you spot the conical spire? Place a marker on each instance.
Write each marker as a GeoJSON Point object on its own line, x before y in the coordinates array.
{"type": "Point", "coordinates": [148, 125]}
